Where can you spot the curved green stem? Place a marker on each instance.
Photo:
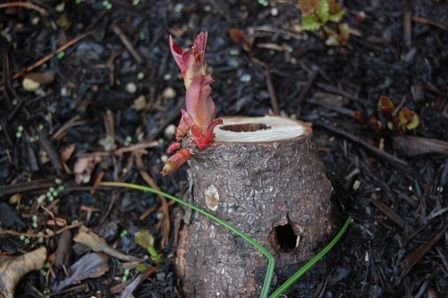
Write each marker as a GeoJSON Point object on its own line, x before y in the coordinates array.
{"type": "Point", "coordinates": [232, 228]}
{"type": "Point", "coordinates": [271, 262]}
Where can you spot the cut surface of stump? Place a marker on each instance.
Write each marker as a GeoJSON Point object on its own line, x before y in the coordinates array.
{"type": "Point", "coordinates": [262, 175]}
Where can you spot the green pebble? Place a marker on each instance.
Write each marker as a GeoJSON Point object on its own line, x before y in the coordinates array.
{"type": "Point", "coordinates": [264, 3]}
{"type": "Point", "coordinates": [141, 75]}
{"type": "Point", "coordinates": [60, 7]}
{"type": "Point", "coordinates": [234, 52]}
{"type": "Point", "coordinates": [60, 55]}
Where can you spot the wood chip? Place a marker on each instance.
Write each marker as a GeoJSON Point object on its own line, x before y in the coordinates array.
{"type": "Point", "coordinates": [389, 212]}
{"type": "Point", "coordinates": [415, 257]}
{"type": "Point", "coordinates": [413, 146]}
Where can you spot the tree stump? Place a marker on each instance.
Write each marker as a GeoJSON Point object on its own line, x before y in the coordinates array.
{"type": "Point", "coordinates": [262, 175]}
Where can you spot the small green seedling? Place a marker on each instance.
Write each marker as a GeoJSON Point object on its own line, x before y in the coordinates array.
{"type": "Point", "coordinates": [144, 239]}
{"type": "Point", "coordinates": [316, 16]}
{"type": "Point", "coordinates": [405, 120]}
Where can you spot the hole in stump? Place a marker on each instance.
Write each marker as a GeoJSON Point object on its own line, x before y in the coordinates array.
{"type": "Point", "coordinates": [284, 238]}
{"type": "Point", "coordinates": [246, 127]}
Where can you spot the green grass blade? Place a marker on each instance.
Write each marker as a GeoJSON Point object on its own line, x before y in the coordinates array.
{"type": "Point", "coordinates": [232, 228]}
{"type": "Point", "coordinates": [271, 261]}
{"type": "Point", "coordinates": [311, 263]}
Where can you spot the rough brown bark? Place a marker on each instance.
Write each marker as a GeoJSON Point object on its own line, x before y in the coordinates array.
{"type": "Point", "coordinates": [272, 188]}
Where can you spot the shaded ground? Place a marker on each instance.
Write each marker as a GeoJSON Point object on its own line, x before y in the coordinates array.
{"type": "Point", "coordinates": [121, 53]}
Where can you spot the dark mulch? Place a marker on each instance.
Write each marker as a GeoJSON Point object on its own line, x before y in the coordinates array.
{"type": "Point", "coordinates": [397, 205]}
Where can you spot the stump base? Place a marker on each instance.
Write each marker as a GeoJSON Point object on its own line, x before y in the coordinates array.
{"type": "Point", "coordinates": [262, 175]}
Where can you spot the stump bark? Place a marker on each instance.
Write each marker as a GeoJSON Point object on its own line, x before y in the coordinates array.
{"type": "Point", "coordinates": [262, 175]}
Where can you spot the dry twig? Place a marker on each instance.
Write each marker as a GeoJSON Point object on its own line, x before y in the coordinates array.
{"type": "Point", "coordinates": [49, 56]}
{"type": "Point", "coordinates": [27, 5]}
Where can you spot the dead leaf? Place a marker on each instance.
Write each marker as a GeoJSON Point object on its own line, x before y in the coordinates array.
{"type": "Point", "coordinates": [84, 167]}
{"type": "Point", "coordinates": [64, 250]}
{"type": "Point", "coordinates": [91, 240]}
{"type": "Point", "coordinates": [91, 265]}
{"type": "Point", "coordinates": [12, 269]}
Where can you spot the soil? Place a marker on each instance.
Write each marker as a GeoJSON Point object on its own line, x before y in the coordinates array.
{"type": "Point", "coordinates": [115, 52]}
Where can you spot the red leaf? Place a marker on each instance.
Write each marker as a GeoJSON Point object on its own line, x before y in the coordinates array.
{"type": "Point", "coordinates": [385, 105]}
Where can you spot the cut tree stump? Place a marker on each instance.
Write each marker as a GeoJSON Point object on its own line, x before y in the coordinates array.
{"type": "Point", "coordinates": [262, 175]}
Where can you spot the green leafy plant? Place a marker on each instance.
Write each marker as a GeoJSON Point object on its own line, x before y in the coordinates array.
{"type": "Point", "coordinates": [316, 16]}
{"type": "Point", "coordinates": [404, 119]}
{"type": "Point", "coordinates": [271, 261]}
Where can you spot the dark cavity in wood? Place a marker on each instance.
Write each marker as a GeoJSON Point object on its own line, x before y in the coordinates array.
{"type": "Point", "coordinates": [246, 127]}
